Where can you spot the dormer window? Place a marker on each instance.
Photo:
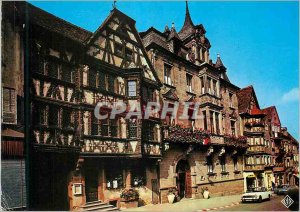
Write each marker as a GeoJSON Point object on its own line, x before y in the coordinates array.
{"type": "Point", "coordinates": [189, 82]}
{"type": "Point", "coordinates": [167, 74]}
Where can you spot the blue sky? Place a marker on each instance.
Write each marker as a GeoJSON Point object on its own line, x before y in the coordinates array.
{"type": "Point", "coordinates": [258, 41]}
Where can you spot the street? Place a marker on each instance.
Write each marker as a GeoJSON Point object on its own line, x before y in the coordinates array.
{"type": "Point", "coordinates": [273, 205]}
{"type": "Point", "coordinates": [225, 203]}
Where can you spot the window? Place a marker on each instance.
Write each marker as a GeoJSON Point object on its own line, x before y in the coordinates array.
{"type": "Point", "coordinates": [9, 105]}
{"type": "Point", "coordinates": [209, 164]}
{"type": "Point", "coordinates": [214, 91]}
{"type": "Point", "coordinates": [212, 129]}
{"type": "Point", "coordinates": [167, 74]}
{"type": "Point", "coordinates": [132, 128]}
{"type": "Point", "coordinates": [52, 69]}
{"type": "Point", "coordinates": [148, 128]}
{"type": "Point", "coordinates": [92, 78]}
{"type": "Point", "coordinates": [204, 120]}
{"type": "Point", "coordinates": [223, 164]}
{"type": "Point", "coordinates": [96, 126]}
{"type": "Point", "coordinates": [118, 49]}
{"type": "Point", "coordinates": [208, 85]}
{"type": "Point", "coordinates": [114, 132]}
{"type": "Point", "coordinates": [138, 176]}
{"type": "Point", "coordinates": [67, 74]}
{"type": "Point", "coordinates": [148, 94]}
{"type": "Point", "coordinates": [105, 127]}
{"type": "Point", "coordinates": [85, 76]}
{"type": "Point", "coordinates": [189, 82]}
{"type": "Point", "coordinates": [129, 54]}
{"type": "Point", "coordinates": [202, 85]}
{"type": "Point", "coordinates": [68, 118]}
{"type": "Point", "coordinates": [217, 123]}
{"type": "Point", "coordinates": [131, 88]}
{"type": "Point", "coordinates": [235, 163]}
{"type": "Point", "coordinates": [54, 118]}
{"type": "Point", "coordinates": [232, 124]}
{"type": "Point", "coordinates": [43, 115]}
{"type": "Point", "coordinates": [114, 176]}
{"type": "Point", "coordinates": [230, 100]}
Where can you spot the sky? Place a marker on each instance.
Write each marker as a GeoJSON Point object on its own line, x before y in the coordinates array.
{"type": "Point", "coordinates": [257, 41]}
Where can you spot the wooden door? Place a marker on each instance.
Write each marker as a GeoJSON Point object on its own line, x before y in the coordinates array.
{"type": "Point", "coordinates": [91, 185]}
{"type": "Point", "coordinates": [155, 191]}
{"type": "Point", "coordinates": [188, 185]}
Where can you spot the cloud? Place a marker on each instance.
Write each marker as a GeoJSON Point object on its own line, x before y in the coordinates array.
{"type": "Point", "coordinates": [291, 96]}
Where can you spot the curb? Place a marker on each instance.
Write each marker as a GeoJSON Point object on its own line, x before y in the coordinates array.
{"type": "Point", "coordinates": [222, 207]}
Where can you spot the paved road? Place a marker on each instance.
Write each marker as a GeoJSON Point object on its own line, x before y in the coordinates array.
{"type": "Point", "coordinates": [273, 205]}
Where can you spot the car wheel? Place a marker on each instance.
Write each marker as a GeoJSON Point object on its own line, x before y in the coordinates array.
{"type": "Point", "coordinates": [260, 199]}
{"type": "Point", "coordinates": [269, 197]}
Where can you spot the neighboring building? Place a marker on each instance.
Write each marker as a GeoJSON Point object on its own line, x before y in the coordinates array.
{"type": "Point", "coordinates": [258, 159]}
{"type": "Point", "coordinates": [215, 159]}
{"type": "Point", "coordinates": [284, 149]}
{"type": "Point", "coordinates": [12, 133]}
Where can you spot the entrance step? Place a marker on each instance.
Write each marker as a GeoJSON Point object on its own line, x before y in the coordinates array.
{"type": "Point", "coordinates": [98, 206]}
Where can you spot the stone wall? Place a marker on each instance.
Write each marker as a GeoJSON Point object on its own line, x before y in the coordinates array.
{"type": "Point", "coordinates": [199, 172]}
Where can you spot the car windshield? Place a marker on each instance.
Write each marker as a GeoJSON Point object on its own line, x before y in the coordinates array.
{"type": "Point", "coordinates": [257, 189]}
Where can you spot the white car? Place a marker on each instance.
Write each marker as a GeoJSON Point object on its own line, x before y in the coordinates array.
{"type": "Point", "coordinates": [257, 194]}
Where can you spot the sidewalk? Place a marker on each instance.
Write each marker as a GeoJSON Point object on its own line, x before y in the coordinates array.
{"type": "Point", "coordinates": [192, 205]}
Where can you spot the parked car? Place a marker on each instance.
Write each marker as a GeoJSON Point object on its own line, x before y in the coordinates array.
{"type": "Point", "coordinates": [277, 188]}
{"type": "Point", "coordinates": [257, 194]}
{"type": "Point", "coordinates": [284, 189]}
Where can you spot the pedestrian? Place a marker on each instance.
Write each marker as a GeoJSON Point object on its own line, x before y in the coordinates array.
{"type": "Point", "coordinates": [273, 185]}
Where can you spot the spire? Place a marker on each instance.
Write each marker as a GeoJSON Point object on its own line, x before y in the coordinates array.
{"type": "Point", "coordinates": [188, 26]}
{"type": "Point", "coordinates": [219, 62]}
{"type": "Point", "coordinates": [188, 21]}
{"type": "Point", "coordinates": [173, 33]}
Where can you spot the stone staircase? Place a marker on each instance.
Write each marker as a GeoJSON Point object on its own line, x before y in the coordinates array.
{"type": "Point", "coordinates": [98, 206]}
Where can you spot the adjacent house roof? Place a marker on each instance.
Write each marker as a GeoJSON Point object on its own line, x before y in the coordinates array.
{"type": "Point", "coordinates": [245, 96]}
{"type": "Point", "coordinates": [48, 21]}
{"type": "Point", "coordinates": [269, 111]}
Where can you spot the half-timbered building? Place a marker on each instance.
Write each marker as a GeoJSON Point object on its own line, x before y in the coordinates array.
{"type": "Point", "coordinates": [74, 157]}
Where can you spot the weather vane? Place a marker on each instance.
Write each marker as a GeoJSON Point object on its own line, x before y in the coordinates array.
{"type": "Point", "coordinates": [114, 4]}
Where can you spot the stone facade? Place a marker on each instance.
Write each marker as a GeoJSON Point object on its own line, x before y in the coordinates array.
{"type": "Point", "coordinates": [74, 158]}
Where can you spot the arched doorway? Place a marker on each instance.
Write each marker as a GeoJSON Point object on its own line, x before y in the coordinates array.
{"type": "Point", "coordinates": [183, 180]}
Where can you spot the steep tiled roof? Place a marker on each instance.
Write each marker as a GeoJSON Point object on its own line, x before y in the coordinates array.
{"type": "Point", "coordinates": [50, 22]}
{"type": "Point", "coordinates": [269, 112]}
{"type": "Point", "coordinates": [256, 111]}
{"type": "Point", "coordinates": [244, 98]}
{"type": "Point", "coordinates": [188, 26]}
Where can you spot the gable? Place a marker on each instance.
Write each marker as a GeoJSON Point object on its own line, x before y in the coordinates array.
{"type": "Point", "coordinates": [117, 42]}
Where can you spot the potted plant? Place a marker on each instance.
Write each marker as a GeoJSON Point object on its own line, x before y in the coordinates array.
{"type": "Point", "coordinates": [171, 195]}
{"type": "Point", "coordinates": [129, 198]}
{"type": "Point", "coordinates": [205, 193]}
